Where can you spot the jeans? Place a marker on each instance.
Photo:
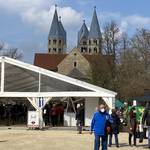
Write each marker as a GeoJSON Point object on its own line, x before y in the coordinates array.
{"type": "Point", "coordinates": [116, 139]}
{"type": "Point", "coordinates": [103, 142]}
{"type": "Point", "coordinates": [79, 126]}
{"type": "Point", "coordinates": [148, 136]}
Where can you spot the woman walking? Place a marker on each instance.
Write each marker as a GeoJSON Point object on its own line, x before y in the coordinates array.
{"type": "Point", "coordinates": [132, 125]}
{"type": "Point", "coordinates": [114, 128]}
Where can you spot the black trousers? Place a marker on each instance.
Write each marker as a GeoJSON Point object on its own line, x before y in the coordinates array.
{"type": "Point", "coordinates": [134, 138]}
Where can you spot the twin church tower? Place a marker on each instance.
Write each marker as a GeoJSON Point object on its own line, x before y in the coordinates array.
{"type": "Point", "coordinates": [89, 41]}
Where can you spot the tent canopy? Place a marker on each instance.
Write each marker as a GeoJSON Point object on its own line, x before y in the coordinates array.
{"type": "Point", "coordinates": [19, 79]}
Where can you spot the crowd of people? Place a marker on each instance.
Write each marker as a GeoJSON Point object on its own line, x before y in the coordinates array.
{"type": "Point", "coordinates": [54, 114]}
{"type": "Point", "coordinates": [11, 114]}
{"type": "Point", "coordinates": [105, 125]}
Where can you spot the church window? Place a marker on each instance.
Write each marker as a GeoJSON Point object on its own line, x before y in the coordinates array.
{"type": "Point", "coordinates": [49, 41]}
{"type": "Point", "coordinates": [82, 49]}
{"type": "Point", "coordinates": [75, 54]}
{"type": "Point", "coordinates": [84, 43]}
{"type": "Point", "coordinates": [95, 42]}
{"type": "Point", "coordinates": [59, 50]}
{"type": "Point", "coordinates": [85, 49]}
{"type": "Point", "coordinates": [59, 41]}
{"type": "Point", "coordinates": [49, 50]}
{"type": "Point", "coordinates": [75, 64]}
{"type": "Point", "coordinates": [89, 42]}
{"type": "Point", "coordinates": [89, 50]}
{"type": "Point", "coordinates": [54, 41]}
{"type": "Point", "coordinates": [54, 49]}
{"type": "Point", "coordinates": [95, 50]}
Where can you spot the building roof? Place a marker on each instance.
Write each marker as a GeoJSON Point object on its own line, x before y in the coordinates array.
{"type": "Point", "coordinates": [56, 30]}
{"type": "Point", "coordinates": [95, 28]}
{"type": "Point", "coordinates": [75, 73]}
{"type": "Point", "coordinates": [51, 61]}
{"type": "Point", "coordinates": [98, 58]}
{"type": "Point", "coordinates": [63, 31]}
{"type": "Point", "coordinates": [83, 33]}
{"type": "Point", "coordinates": [48, 61]}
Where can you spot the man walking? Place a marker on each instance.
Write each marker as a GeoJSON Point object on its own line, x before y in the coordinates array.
{"type": "Point", "coordinates": [79, 118]}
{"type": "Point", "coordinates": [146, 118]}
{"type": "Point", "coordinates": [100, 126]}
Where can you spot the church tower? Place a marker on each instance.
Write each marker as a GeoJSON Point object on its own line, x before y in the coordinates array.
{"type": "Point", "coordinates": [95, 36]}
{"type": "Point", "coordinates": [57, 36]}
{"type": "Point", "coordinates": [83, 38]}
{"type": "Point", "coordinates": [90, 42]}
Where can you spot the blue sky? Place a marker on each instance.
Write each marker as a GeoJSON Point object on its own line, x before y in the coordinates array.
{"type": "Point", "coordinates": [25, 23]}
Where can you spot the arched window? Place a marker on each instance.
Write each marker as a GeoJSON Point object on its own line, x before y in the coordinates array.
{"type": "Point", "coordinates": [75, 64]}
{"type": "Point", "coordinates": [59, 50]}
{"type": "Point", "coordinates": [89, 42]}
{"type": "Point", "coordinates": [95, 50]}
{"type": "Point", "coordinates": [54, 49]}
{"type": "Point", "coordinates": [89, 50]}
{"type": "Point", "coordinates": [95, 42]}
{"type": "Point", "coordinates": [59, 42]}
{"type": "Point", "coordinates": [82, 49]}
{"type": "Point", "coordinates": [54, 41]}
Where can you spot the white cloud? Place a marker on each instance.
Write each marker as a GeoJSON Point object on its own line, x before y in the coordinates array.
{"type": "Point", "coordinates": [38, 14]}
{"type": "Point", "coordinates": [70, 18]}
{"type": "Point", "coordinates": [137, 21]}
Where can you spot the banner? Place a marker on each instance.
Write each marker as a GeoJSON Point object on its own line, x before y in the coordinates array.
{"type": "Point", "coordinates": [33, 119]}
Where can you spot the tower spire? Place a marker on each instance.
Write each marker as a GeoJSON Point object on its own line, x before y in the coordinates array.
{"type": "Point", "coordinates": [95, 36]}
{"type": "Point", "coordinates": [59, 18]}
{"type": "Point", "coordinates": [95, 28]}
{"type": "Point", "coordinates": [55, 6]}
{"type": "Point", "coordinates": [57, 35]}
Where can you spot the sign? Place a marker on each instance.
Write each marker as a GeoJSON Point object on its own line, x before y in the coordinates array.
{"type": "Point", "coordinates": [33, 119]}
{"type": "Point", "coordinates": [41, 102]}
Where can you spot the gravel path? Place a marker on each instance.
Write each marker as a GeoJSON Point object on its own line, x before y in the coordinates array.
{"type": "Point", "coordinates": [55, 140]}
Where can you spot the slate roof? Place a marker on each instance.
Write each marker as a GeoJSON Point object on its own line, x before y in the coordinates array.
{"type": "Point", "coordinates": [63, 31]}
{"type": "Point", "coordinates": [95, 28]}
{"type": "Point", "coordinates": [83, 33]}
{"type": "Point", "coordinates": [75, 73]}
{"type": "Point", "coordinates": [57, 29]}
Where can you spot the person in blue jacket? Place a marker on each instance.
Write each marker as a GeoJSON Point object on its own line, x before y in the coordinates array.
{"type": "Point", "coordinates": [100, 127]}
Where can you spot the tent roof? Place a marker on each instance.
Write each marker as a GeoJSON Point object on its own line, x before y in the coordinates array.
{"type": "Point", "coordinates": [19, 79]}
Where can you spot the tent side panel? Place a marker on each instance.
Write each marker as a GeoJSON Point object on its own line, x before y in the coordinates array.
{"type": "Point", "coordinates": [90, 107]}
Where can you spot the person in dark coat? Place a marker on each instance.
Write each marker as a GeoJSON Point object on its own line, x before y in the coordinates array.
{"type": "Point", "coordinates": [132, 126]}
{"type": "Point", "coordinates": [146, 118]}
{"type": "Point", "coordinates": [79, 118]}
{"type": "Point", "coordinates": [114, 128]}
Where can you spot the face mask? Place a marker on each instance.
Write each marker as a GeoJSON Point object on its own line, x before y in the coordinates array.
{"type": "Point", "coordinates": [102, 110]}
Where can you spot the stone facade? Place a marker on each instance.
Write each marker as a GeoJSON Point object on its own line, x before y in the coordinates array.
{"type": "Point", "coordinates": [56, 46]}
{"type": "Point", "coordinates": [74, 60]}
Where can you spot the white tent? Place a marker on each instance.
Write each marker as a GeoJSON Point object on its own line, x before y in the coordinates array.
{"type": "Point", "coordinates": [19, 79]}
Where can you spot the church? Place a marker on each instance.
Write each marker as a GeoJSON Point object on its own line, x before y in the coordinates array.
{"type": "Point", "coordinates": [77, 62]}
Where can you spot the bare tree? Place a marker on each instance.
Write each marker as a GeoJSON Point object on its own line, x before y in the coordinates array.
{"type": "Point", "coordinates": [141, 42]}
{"type": "Point", "coordinates": [13, 53]}
{"type": "Point", "coordinates": [111, 38]}
{"type": "Point", "coordinates": [125, 42]}
{"type": "Point", "coordinates": [10, 52]}
{"type": "Point", "coordinates": [131, 76]}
